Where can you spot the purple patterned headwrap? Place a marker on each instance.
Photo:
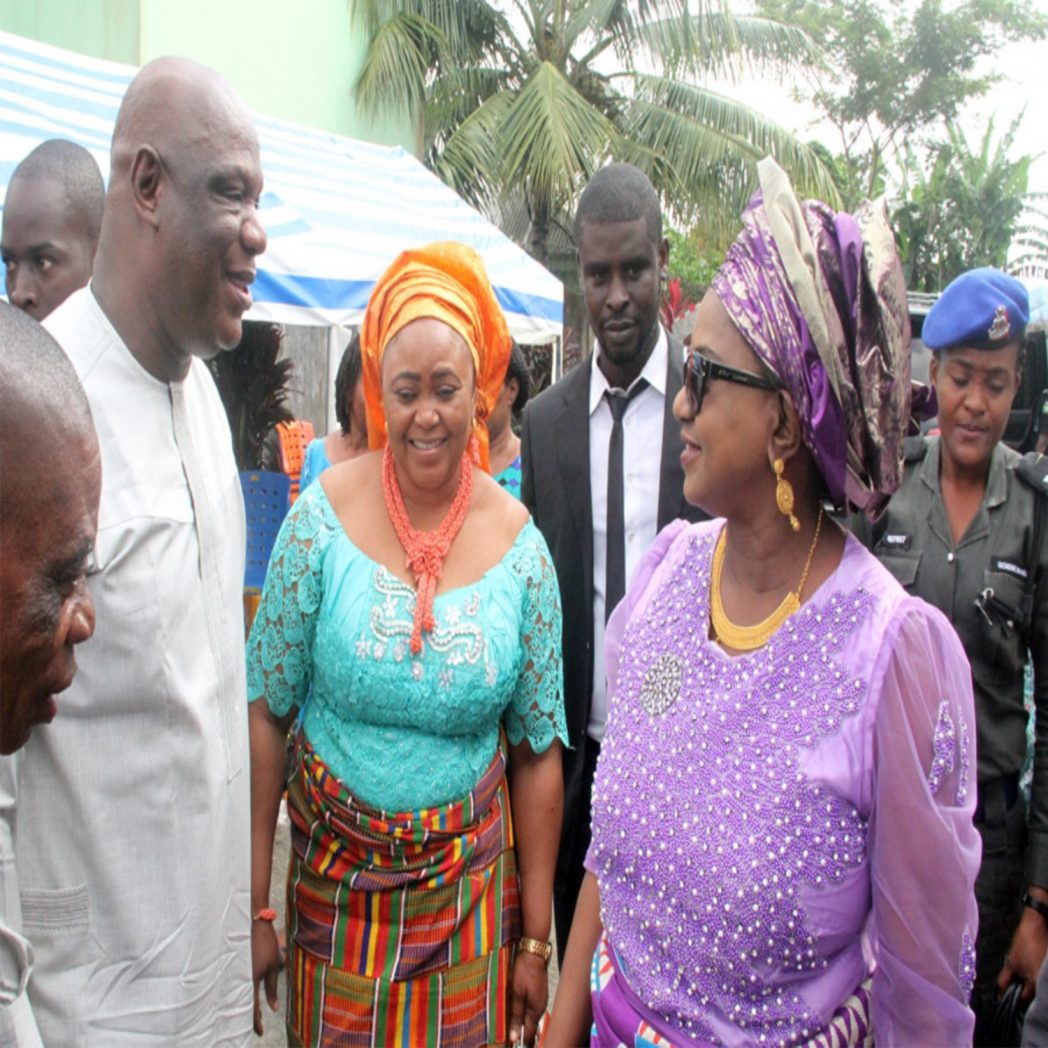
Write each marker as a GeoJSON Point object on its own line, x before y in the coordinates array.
{"type": "Point", "coordinates": [820, 297]}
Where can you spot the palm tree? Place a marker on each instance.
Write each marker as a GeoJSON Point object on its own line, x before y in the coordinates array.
{"type": "Point", "coordinates": [518, 108]}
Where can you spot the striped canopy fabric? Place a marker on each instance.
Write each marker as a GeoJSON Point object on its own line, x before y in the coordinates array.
{"type": "Point", "coordinates": [337, 211]}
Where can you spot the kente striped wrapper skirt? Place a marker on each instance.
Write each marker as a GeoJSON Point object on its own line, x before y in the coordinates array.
{"type": "Point", "coordinates": [401, 926]}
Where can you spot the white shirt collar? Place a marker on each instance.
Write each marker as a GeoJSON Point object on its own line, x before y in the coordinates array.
{"type": "Point", "coordinates": [654, 371]}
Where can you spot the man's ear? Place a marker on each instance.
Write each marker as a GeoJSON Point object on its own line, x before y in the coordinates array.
{"type": "Point", "coordinates": [664, 255]}
{"type": "Point", "coordinates": [146, 175]}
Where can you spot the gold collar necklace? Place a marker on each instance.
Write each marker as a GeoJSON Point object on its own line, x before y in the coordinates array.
{"type": "Point", "coordinates": [749, 638]}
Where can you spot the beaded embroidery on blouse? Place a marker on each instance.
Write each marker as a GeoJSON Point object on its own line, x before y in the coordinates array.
{"type": "Point", "coordinates": [966, 970]}
{"type": "Point", "coordinates": [944, 747]}
{"type": "Point", "coordinates": [962, 772]}
{"type": "Point", "coordinates": [716, 879]}
{"type": "Point", "coordinates": [457, 635]}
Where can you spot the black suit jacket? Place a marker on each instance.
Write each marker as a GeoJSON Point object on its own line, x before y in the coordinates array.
{"type": "Point", "coordinates": [555, 487]}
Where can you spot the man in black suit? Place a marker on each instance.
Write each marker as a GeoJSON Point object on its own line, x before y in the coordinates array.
{"type": "Point", "coordinates": [596, 518]}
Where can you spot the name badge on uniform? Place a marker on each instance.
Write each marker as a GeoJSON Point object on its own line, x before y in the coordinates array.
{"type": "Point", "coordinates": [1012, 569]}
{"type": "Point", "coordinates": [895, 541]}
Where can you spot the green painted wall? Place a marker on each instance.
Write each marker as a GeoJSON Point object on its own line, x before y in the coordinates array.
{"type": "Point", "coordinates": [100, 28]}
{"type": "Point", "coordinates": [295, 60]}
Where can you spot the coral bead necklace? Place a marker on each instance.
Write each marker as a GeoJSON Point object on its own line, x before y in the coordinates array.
{"type": "Point", "coordinates": [426, 550]}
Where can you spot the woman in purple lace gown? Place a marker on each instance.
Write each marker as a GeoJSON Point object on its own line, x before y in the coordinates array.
{"type": "Point", "coordinates": [783, 850]}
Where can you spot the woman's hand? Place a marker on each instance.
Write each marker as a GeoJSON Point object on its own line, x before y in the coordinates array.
{"type": "Point", "coordinates": [573, 1009]}
{"type": "Point", "coordinates": [529, 994]}
{"type": "Point", "coordinates": [537, 801]}
{"type": "Point", "coordinates": [266, 962]}
{"type": "Point", "coordinates": [268, 757]}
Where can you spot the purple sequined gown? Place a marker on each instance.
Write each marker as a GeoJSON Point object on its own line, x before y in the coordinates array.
{"type": "Point", "coordinates": [769, 828]}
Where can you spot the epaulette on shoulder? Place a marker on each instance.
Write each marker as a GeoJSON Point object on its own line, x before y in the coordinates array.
{"type": "Point", "coordinates": [1033, 470]}
{"type": "Point", "coordinates": [914, 449]}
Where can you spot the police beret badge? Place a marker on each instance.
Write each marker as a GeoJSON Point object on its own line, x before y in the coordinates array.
{"type": "Point", "coordinates": [1000, 327]}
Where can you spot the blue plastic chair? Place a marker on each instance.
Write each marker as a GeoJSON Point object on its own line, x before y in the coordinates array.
{"type": "Point", "coordinates": [267, 497]}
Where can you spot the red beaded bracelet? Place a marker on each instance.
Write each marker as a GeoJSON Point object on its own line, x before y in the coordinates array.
{"type": "Point", "coordinates": [267, 915]}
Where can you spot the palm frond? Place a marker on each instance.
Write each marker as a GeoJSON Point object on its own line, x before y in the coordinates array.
{"type": "Point", "coordinates": [454, 95]}
{"type": "Point", "coordinates": [699, 129]}
{"type": "Point", "coordinates": [468, 159]}
{"type": "Point", "coordinates": [599, 19]}
{"type": "Point", "coordinates": [718, 43]}
{"type": "Point", "coordinates": [551, 134]}
{"type": "Point", "coordinates": [397, 65]}
{"type": "Point", "coordinates": [466, 26]}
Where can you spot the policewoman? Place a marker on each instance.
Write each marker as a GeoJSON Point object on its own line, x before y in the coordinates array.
{"type": "Point", "coordinates": [967, 530]}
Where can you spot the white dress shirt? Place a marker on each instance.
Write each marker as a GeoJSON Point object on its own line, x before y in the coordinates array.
{"type": "Point", "coordinates": [133, 806]}
{"type": "Point", "coordinates": [642, 461]}
{"type": "Point", "coordinates": [17, 1025]}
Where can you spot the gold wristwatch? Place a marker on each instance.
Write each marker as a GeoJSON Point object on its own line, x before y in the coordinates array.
{"type": "Point", "coordinates": [536, 946]}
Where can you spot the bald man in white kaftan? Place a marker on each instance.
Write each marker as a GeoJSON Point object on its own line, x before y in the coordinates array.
{"type": "Point", "coordinates": [133, 809]}
{"type": "Point", "coordinates": [134, 851]}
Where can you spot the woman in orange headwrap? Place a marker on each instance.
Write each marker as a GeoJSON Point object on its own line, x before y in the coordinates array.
{"type": "Point", "coordinates": [414, 604]}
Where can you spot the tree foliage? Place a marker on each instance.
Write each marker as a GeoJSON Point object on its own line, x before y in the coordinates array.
{"type": "Point", "coordinates": [516, 110]}
{"type": "Point", "coordinates": [694, 262]}
{"type": "Point", "coordinates": [895, 73]}
{"type": "Point", "coordinates": [966, 210]}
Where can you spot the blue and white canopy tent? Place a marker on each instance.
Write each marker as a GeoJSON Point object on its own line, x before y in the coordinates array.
{"type": "Point", "coordinates": [337, 211]}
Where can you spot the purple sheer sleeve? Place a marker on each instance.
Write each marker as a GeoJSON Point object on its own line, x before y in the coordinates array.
{"type": "Point", "coordinates": [924, 851]}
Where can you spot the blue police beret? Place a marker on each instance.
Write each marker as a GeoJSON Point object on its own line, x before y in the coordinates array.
{"type": "Point", "coordinates": [983, 308]}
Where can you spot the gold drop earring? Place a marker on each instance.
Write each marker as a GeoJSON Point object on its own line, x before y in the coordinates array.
{"type": "Point", "coordinates": [784, 494]}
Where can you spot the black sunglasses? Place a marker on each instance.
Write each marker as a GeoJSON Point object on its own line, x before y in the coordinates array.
{"type": "Point", "coordinates": [698, 370]}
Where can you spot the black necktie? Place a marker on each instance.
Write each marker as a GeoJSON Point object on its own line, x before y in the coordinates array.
{"type": "Point", "coordinates": [615, 569]}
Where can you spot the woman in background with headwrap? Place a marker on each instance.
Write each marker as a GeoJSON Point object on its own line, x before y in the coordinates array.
{"type": "Point", "coordinates": [790, 735]}
{"type": "Point", "coordinates": [418, 602]}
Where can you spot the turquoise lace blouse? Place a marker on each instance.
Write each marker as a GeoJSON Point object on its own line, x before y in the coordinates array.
{"type": "Point", "coordinates": [402, 731]}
